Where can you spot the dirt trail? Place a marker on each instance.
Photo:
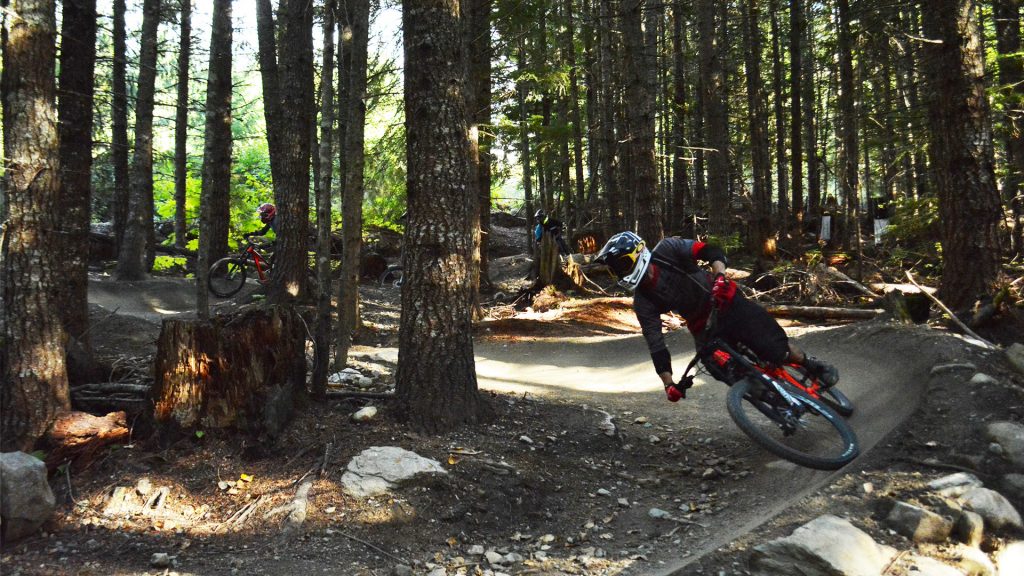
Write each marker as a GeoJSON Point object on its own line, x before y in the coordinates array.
{"type": "Point", "coordinates": [883, 372]}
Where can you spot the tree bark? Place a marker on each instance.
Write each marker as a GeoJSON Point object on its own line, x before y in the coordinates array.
{"type": "Point", "coordinates": [288, 278]}
{"type": "Point", "coordinates": [436, 379]}
{"type": "Point", "coordinates": [809, 103]}
{"type": "Point", "coordinates": [119, 125]}
{"type": "Point", "coordinates": [524, 149]}
{"type": "Point", "coordinates": [608, 141]}
{"type": "Point", "coordinates": [850, 153]}
{"type": "Point", "coordinates": [214, 208]}
{"type": "Point", "coordinates": [322, 336]}
{"type": "Point", "coordinates": [181, 127]}
{"type": "Point", "coordinates": [352, 205]}
{"type": "Point", "coordinates": [780, 117]}
{"type": "Point", "coordinates": [243, 371]}
{"type": "Point", "coordinates": [762, 241]}
{"type": "Point", "coordinates": [961, 151]}
{"type": "Point", "coordinates": [478, 35]}
{"type": "Point", "coordinates": [133, 260]}
{"type": "Point", "coordinates": [270, 78]}
{"type": "Point", "coordinates": [77, 437]}
{"type": "Point", "coordinates": [715, 117]}
{"type": "Point", "coordinates": [77, 65]}
{"type": "Point", "coordinates": [34, 387]}
{"type": "Point", "coordinates": [680, 180]}
{"type": "Point", "coordinates": [640, 117]}
{"type": "Point", "coordinates": [796, 32]}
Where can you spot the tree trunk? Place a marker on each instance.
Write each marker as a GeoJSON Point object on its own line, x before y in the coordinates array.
{"type": "Point", "coordinates": [762, 241]}
{"type": "Point", "coordinates": [216, 153]}
{"type": "Point", "coordinates": [243, 371]}
{"type": "Point", "coordinates": [680, 181]}
{"type": "Point", "coordinates": [322, 336]}
{"type": "Point", "coordinates": [436, 378]}
{"type": "Point", "coordinates": [34, 387]}
{"type": "Point", "coordinates": [78, 59]}
{"type": "Point", "coordinates": [715, 120]}
{"type": "Point", "coordinates": [133, 260]}
{"type": "Point", "coordinates": [1011, 78]}
{"type": "Point", "coordinates": [780, 117]}
{"type": "Point", "coordinates": [524, 150]}
{"type": "Point", "coordinates": [352, 205]}
{"type": "Point", "coordinates": [271, 81]}
{"type": "Point", "coordinates": [119, 125]}
{"type": "Point", "coordinates": [796, 32]}
{"type": "Point", "coordinates": [478, 101]}
{"type": "Point", "coordinates": [850, 154]}
{"type": "Point", "coordinates": [288, 278]}
{"type": "Point", "coordinates": [809, 100]}
{"type": "Point", "coordinates": [608, 141]}
{"type": "Point", "coordinates": [961, 152]}
{"type": "Point", "coordinates": [181, 127]}
{"type": "Point", "coordinates": [640, 117]}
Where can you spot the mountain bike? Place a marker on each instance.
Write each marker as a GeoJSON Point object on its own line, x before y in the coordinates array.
{"type": "Point", "coordinates": [783, 408]}
{"type": "Point", "coordinates": [227, 275]}
{"type": "Point", "coordinates": [392, 275]}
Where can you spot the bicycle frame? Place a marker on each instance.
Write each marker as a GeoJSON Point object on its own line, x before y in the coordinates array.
{"type": "Point", "coordinates": [258, 260]}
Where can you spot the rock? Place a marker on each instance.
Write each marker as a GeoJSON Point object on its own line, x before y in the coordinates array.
{"type": "Point", "coordinates": [982, 379]}
{"type": "Point", "coordinates": [825, 545]}
{"type": "Point", "coordinates": [603, 492]}
{"type": "Point", "coordinates": [1015, 354]}
{"type": "Point", "coordinates": [143, 486]}
{"type": "Point", "coordinates": [161, 560]}
{"type": "Point", "coordinates": [925, 566]}
{"type": "Point", "coordinates": [1013, 486]}
{"type": "Point", "coordinates": [623, 502]}
{"type": "Point", "coordinates": [970, 528]}
{"type": "Point", "coordinates": [993, 507]}
{"type": "Point", "coordinates": [526, 439]}
{"type": "Point", "coordinates": [493, 557]}
{"type": "Point", "coordinates": [962, 480]}
{"type": "Point", "coordinates": [401, 570]}
{"type": "Point", "coordinates": [1010, 436]}
{"type": "Point", "coordinates": [475, 550]}
{"type": "Point", "coordinates": [439, 571]}
{"type": "Point", "coordinates": [654, 439]}
{"type": "Point", "coordinates": [365, 414]}
{"type": "Point", "coordinates": [26, 501]}
{"type": "Point", "coordinates": [345, 376]}
{"type": "Point", "coordinates": [919, 524]}
{"type": "Point", "coordinates": [512, 558]}
{"type": "Point", "coordinates": [975, 563]}
{"type": "Point", "coordinates": [658, 513]}
{"type": "Point", "coordinates": [378, 469]}
{"type": "Point", "coordinates": [1010, 559]}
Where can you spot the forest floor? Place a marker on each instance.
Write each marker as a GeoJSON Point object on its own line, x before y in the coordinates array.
{"type": "Point", "coordinates": [540, 484]}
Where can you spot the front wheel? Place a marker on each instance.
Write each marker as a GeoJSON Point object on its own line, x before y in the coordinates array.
{"type": "Point", "coordinates": [227, 276]}
{"type": "Point", "coordinates": [804, 431]}
{"type": "Point", "coordinates": [393, 276]}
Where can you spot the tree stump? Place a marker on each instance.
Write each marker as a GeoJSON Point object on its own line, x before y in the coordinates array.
{"type": "Point", "coordinates": [243, 371]}
{"type": "Point", "coordinates": [76, 437]}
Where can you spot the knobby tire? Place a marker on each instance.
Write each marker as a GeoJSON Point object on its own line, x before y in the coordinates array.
{"type": "Point", "coordinates": [226, 277]}
{"type": "Point", "coordinates": [841, 452]}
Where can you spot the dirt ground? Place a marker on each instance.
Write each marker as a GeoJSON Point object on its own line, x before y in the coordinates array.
{"type": "Point", "coordinates": [542, 484]}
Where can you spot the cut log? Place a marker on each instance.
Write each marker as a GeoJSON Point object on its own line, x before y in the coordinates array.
{"type": "Point", "coordinates": [822, 312]}
{"type": "Point", "coordinates": [242, 370]}
{"type": "Point", "coordinates": [76, 437]}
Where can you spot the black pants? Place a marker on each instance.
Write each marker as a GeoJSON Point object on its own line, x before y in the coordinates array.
{"type": "Point", "coordinates": [747, 323]}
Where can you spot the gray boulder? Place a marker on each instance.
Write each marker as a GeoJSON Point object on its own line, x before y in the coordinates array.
{"type": "Point", "coordinates": [919, 524]}
{"type": "Point", "coordinates": [993, 507]}
{"type": "Point", "coordinates": [26, 500]}
{"type": "Point", "coordinates": [379, 469]}
{"type": "Point", "coordinates": [1010, 437]}
{"type": "Point", "coordinates": [827, 545]}
{"type": "Point", "coordinates": [955, 484]}
{"type": "Point", "coordinates": [970, 528]}
{"type": "Point", "coordinates": [925, 566]}
{"type": "Point", "coordinates": [1015, 354]}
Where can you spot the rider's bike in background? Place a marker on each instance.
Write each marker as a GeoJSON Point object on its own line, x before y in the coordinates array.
{"type": "Point", "coordinates": [783, 408]}
{"type": "Point", "coordinates": [227, 275]}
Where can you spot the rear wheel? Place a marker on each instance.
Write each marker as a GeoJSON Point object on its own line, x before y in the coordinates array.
{"type": "Point", "coordinates": [805, 431]}
{"type": "Point", "coordinates": [227, 276]}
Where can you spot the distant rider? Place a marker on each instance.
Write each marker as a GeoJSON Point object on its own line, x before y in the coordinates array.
{"type": "Point", "coordinates": [553, 226]}
{"type": "Point", "coordinates": [268, 215]}
{"type": "Point", "coordinates": [669, 279]}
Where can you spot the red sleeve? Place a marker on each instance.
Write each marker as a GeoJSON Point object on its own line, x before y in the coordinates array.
{"type": "Point", "coordinates": [697, 247]}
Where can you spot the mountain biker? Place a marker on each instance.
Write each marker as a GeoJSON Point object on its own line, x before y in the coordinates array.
{"type": "Point", "coordinates": [553, 226]}
{"type": "Point", "coordinates": [668, 278]}
{"type": "Point", "coordinates": [268, 215]}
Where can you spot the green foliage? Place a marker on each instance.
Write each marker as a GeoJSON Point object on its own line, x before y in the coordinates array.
{"type": "Point", "coordinates": [729, 244]}
{"type": "Point", "coordinates": [913, 220]}
{"type": "Point", "coordinates": [168, 264]}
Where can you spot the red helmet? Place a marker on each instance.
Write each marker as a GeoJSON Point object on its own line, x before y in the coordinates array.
{"type": "Point", "coordinates": [267, 212]}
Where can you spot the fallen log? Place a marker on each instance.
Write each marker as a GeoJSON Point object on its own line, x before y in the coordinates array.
{"type": "Point", "coordinates": [843, 278]}
{"type": "Point", "coordinates": [242, 370]}
{"type": "Point", "coordinates": [822, 312]}
{"type": "Point", "coordinates": [76, 437]}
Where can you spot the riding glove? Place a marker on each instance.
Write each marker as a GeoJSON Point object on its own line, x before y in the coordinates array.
{"type": "Point", "coordinates": [723, 291]}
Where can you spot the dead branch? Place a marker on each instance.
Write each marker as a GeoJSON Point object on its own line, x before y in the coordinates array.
{"type": "Point", "coordinates": [952, 316]}
{"type": "Point", "coordinates": [822, 312]}
{"type": "Point", "coordinates": [368, 545]}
